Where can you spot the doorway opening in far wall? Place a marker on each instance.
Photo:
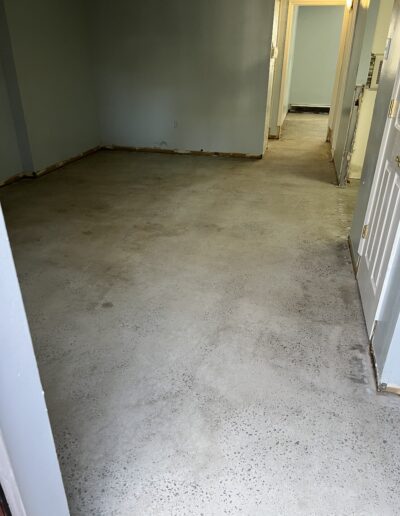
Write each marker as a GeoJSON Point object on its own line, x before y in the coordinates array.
{"type": "Point", "coordinates": [310, 43]}
{"type": "Point", "coordinates": [312, 58]}
{"type": "Point", "coordinates": [330, 55]}
{"type": "Point", "coordinates": [312, 63]}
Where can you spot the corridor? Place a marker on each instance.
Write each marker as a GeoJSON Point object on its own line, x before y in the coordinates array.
{"type": "Point", "coordinates": [199, 334]}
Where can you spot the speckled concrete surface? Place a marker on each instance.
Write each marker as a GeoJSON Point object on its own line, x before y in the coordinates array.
{"type": "Point", "coordinates": [200, 337]}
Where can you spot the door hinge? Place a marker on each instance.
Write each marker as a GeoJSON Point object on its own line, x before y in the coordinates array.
{"type": "Point", "coordinates": [393, 107]}
{"type": "Point", "coordinates": [365, 229]}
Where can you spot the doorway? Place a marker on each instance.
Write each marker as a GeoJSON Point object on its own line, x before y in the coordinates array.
{"type": "Point", "coordinates": [312, 60]}
{"type": "Point", "coordinates": [363, 103]}
{"type": "Point", "coordinates": [311, 68]}
{"type": "Point", "coordinates": [311, 38]}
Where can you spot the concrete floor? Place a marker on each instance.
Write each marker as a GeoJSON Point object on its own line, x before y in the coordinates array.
{"type": "Point", "coordinates": [200, 336]}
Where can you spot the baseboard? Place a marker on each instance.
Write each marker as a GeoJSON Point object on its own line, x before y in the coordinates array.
{"type": "Point", "coordinates": [160, 150]}
{"type": "Point", "coordinates": [309, 109]}
{"type": "Point", "coordinates": [59, 164]}
{"type": "Point", "coordinates": [13, 179]}
{"type": "Point", "coordinates": [381, 386]}
{"type": "Point", "coordinates": [64, 162]}
{"type": "Point", "coordinates": [393, 389]}
{"type": "Point", "coordinates": [47, 170]}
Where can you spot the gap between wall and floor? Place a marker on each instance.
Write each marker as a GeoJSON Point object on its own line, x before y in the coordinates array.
{"type": "Point", "coordinates": [59, 164]}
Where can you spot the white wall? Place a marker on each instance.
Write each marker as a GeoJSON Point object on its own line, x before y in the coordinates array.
{"type": "Point", "coordinates": [377, 45]}
{"type": "Point", "coordinates": [363, 67]}
{"type": "Point", "coordinates": [183, 75]}
{"type": "Point", "coordinates": [386, 340]}
{"type": "Point", "coordinates": [315, 55]}
{"type": "Point", "coordinates": [50, 50]}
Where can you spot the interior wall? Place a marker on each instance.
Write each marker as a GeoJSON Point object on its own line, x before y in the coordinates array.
{"type": "Point", "coordinates": [316, 48]}
{"type": "Point", "coordinates": [379, 119]}
{"type": "Point", "coordinates": [377, 45]}
{"type": "Point", "coordinates": [10, 162]}
{"type": "Point", "coordinates": [50, 50]}
{"type": "Point", "coordinates": [366, 49]}
{"type": "Point", "coordinates": [182, 75]}
{"type": "Point", "coordinates": [386, 339]}
{"type": "Point", "coordinates": [344, 116]}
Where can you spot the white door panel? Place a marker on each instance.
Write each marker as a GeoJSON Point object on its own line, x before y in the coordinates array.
{"type": "Point", "coordinates": [29, 470]}
{"type": "Point", "coordinates": [383, 220]}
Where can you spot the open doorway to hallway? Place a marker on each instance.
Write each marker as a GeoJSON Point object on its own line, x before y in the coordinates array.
{"type": "Point", "coordinates": [310, 44]}
{"type": "Point", "coordinates": [312, 56]}
{"type": "Point", "coordinates": [312, 62]}
{"type": "Point", "coordinates": [330, 56]}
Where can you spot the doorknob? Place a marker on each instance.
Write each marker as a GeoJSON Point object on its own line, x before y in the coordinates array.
{"type": "Point", "coordinates": [397, 160]}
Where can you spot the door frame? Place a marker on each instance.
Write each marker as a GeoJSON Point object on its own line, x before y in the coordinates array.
{"type": "Point", "coordinates": [292, 5]}
{"type": "Point", "coordinates": [271, 77]}
{"type": "Point", "coordinates": [29, 469]}
{"type": "Point", "coordinates": [384, 333]}
{"type": "Point", "coordinates": [390, 121]}
{"type": "Point", "coordinates": [378, 124]}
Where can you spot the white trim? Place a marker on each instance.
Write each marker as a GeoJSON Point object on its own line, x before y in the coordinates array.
{"type": "Point", "coordinates": [348, 30]}
{"type": "Point", "coordinates": [338, 73]}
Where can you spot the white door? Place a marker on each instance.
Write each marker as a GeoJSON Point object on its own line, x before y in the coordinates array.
{"type": "Point", "coordinates": [29, 471]}
{"type": "Point", "coordinates": [382, 224]}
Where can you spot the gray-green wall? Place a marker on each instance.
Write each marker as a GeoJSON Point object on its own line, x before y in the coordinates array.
{"type": "Point", "coordinates": [50, 54]}
{"type": "Point", "coordinates": [177, 75]}
{"type": "Point", "coordinates": [10, 161]}
{"type": "Point", "coordinates": [181, 74]}
{"type": "Point", "coordinates": [315, 55]}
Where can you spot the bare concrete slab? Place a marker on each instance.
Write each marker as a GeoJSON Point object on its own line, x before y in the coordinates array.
{"type": "Point", "coordinates": [200, 337]}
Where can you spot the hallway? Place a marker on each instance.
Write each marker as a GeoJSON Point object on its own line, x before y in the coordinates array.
{"type": "Point", "coordinates": [208, 352]}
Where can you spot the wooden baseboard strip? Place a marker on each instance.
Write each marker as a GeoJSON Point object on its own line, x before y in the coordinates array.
{"type": "Point", "coordinates": [12, 179]}
{"type": "Point", "coordinates": [59, 164]}
{"type": "Point", "coordinates": [184, 152]}
{"type": "Point", "coordinates": [51, 168]}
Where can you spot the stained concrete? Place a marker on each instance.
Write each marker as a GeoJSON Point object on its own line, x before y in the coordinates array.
{"type": "Point", "coordinates": [200, 336]}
